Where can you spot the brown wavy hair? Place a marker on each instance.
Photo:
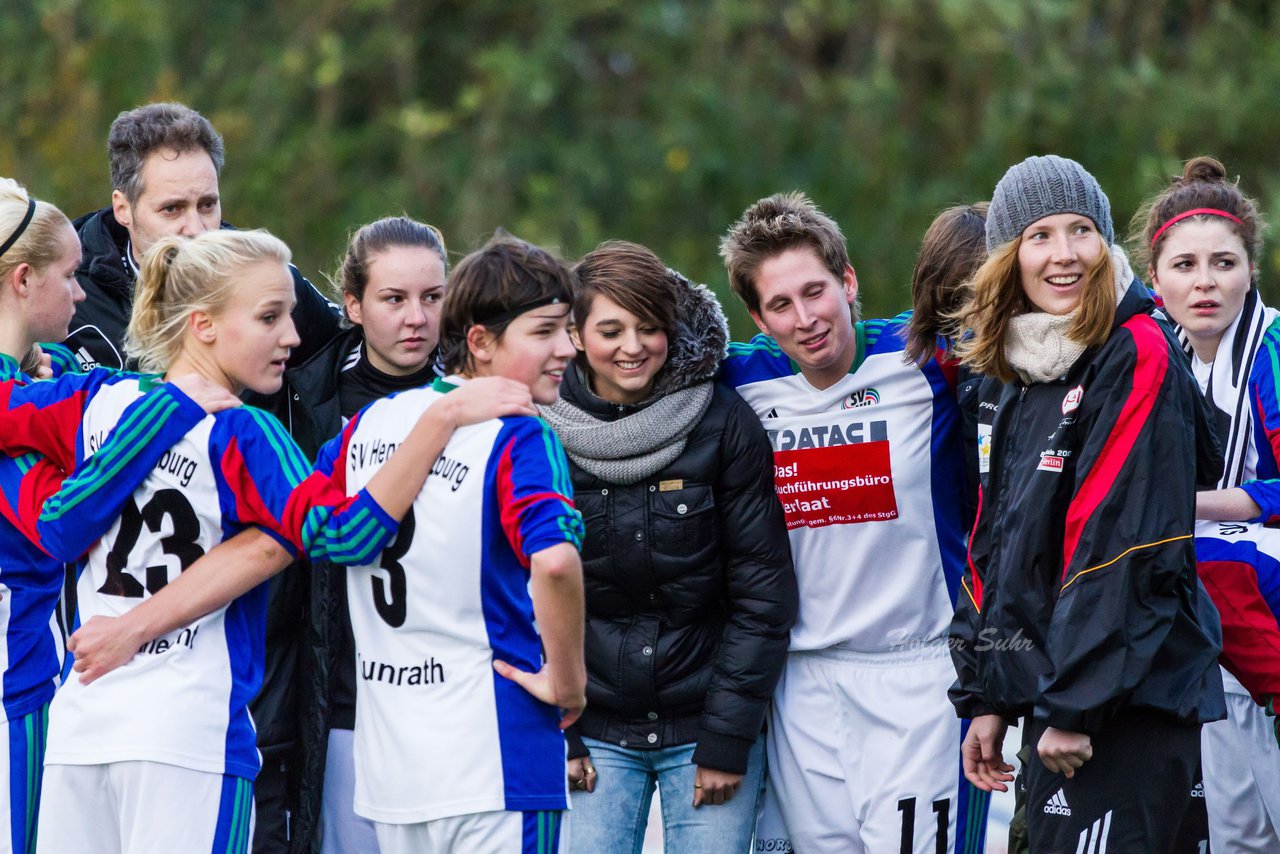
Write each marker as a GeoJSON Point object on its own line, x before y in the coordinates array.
{"type": "Point", "coordinates": [951, 250]}
{"type": "Point", "coordinates": [994, 296]}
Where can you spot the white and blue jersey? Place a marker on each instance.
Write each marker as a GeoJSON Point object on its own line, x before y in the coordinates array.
{"type": "Point", "coordinates": [870, 475]}
{"type": "Point", "coordinates": [30, 578]}
{"type": "Point", "coordinates": [438, 732]}
{"type": "Point", "coordinates": [183, 699]}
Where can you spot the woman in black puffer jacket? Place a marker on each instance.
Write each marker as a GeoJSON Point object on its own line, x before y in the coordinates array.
{"type": "Point", "coordinates": [690, 590]}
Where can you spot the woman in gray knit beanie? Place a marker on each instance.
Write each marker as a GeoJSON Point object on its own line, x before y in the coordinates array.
{"type": "Point", "coordinates": [1088, 423]}
{"type": "Point", "coordinates": [1045, 294]}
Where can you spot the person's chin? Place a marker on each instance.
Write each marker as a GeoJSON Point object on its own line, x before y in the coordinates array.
{"type": "Point", "coordinates": [265, 385]}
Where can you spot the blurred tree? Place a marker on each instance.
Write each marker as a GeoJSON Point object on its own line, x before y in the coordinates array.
{"type": "Point", "coordinates": [572, 122]}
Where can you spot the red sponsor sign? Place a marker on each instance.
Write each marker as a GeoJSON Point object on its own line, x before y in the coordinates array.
{"type": "Point", "coordinates": [835, 486]}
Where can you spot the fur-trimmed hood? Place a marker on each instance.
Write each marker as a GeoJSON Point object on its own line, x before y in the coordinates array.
{"type": "Point", "coordinates": [699, 342]}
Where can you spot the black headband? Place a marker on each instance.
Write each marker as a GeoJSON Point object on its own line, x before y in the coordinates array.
{"type": "Point", "coordinates": [22, 226]}
{"type": "Point", "coordinates": [513, 313]}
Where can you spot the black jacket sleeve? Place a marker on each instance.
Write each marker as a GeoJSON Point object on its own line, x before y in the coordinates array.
{"type": "Point", "coordinates": [317, 319]}
{"type": "Point", "coordinates": [966, 692]}
{"type": "Point", "coordinates": [761, 587]}
{"type": "Point", "coordinates": [1127, 548]}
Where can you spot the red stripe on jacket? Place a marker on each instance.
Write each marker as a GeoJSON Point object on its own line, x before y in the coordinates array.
{"type": "Point", "coordinates": [250, 508]}
{"type": "Point", "coordinates": [1151, 365]}
{"type": "Point", "coordinates": [973, 571]}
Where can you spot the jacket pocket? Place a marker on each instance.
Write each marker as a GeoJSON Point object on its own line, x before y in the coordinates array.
{"type": "Point", "coordinates": [684, 521]}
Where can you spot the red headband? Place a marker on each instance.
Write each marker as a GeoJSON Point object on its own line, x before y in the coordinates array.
{"type": "Point", "coordinates": [1194, 212]}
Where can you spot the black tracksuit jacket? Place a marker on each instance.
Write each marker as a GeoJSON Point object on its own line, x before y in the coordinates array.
{"type": "Point", "coordinates": [1080, 597]}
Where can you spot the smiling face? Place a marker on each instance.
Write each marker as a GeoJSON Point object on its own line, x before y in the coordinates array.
{"type": "Point", "coordinates": [806, 309]}
{"type": "Point", "coordinates": [54, 291]}
{"type": "Point", "coordinates": [253, 333]}
{"type": "Point", "coordinates": [179, 196]}
{"type": "Point", "coordinates": [623, 352]}
{"type": "Point", "coordinates": [400, 308]}
{"type": "Point", "coordinates": [534, 349]}
{"type": "Point", "coordinates": [1054, 259]}
{"type": "Point", "coordinates": [1203, 275]}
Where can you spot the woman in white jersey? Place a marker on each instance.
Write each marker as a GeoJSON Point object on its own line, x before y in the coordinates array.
{"type": "Point", "coordinates": [160, 755]}
{"type": "Point", "coordinates": [497, 502]}
{"type": "Point", "coordinates": [1201, 238]}
{"type": "Point", "coordinates": [39, 254]}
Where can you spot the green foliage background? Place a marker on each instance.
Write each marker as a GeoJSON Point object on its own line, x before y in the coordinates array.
{"type": "Point", "coordinates": [574, 121]}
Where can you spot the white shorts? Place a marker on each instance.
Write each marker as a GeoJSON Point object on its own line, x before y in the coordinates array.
{"type": "Point", "coordinates": [501, 832]}
{"type": "Point", "coordinates": [1241, 765]}
{"type": "Point", "coordinates": [143, 808]}
{"type": "Point", "coordinates": [864, 756]}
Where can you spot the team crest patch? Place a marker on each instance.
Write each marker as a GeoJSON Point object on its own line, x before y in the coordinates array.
{"type": "Point", "coordinates": [862, 397]}
{"type": "Point", "coordinates": [1071, 402]}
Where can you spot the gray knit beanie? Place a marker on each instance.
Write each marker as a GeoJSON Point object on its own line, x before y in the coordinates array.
{"type": "Point", "coordinates": [1042, 186]}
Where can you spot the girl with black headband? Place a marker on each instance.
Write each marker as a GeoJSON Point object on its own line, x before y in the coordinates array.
{"type": "Point", "coordinates": [1201, 238]}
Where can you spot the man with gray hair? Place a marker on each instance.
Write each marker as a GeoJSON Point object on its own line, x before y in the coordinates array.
{"type": "Point", "coordinates": [165, 162]}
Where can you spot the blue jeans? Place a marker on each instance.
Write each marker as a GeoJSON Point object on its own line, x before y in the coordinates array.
{"type": "Point", "coordinates": [612, 819]}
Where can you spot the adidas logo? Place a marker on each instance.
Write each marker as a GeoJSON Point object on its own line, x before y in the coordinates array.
{"type": "Point", "coordinates": [1058, 805]}
{"type": "Point", "coordinates": [1198, 791]}
{"type": "Point", "coordinates": [86, 360]}
{"type": "Point", "coordinates": [772, 413]}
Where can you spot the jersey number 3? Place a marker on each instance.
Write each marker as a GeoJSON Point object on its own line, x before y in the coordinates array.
{"type": "Point", "coordinates": [389, 594]}
{"type": "Point", "coordinates": [167, 503]}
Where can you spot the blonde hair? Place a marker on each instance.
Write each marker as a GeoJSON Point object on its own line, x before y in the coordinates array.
{"type": "Point", "coordinates": [181, 275]}
{"type": "Point", "coordinates": [38, 245]}
{"type": "Point", "coordinates": [994, 296]}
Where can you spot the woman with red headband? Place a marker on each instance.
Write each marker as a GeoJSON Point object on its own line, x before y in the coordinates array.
{"type": "Point", "coordinates": [1201, 238]}
{"type": "Point", "coordinates": [1080, 611]}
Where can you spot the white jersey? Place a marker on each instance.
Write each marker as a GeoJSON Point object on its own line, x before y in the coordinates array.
{"type": "Point", "coordinates": [438, 733]}
{"type": "Point", "coordinates": [183, 699]}
{"type": "Point", "coordinates": [870, 475]}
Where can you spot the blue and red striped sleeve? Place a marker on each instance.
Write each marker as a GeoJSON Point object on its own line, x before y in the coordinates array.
{"type": "Point", "coordinates": [45, 416]}
{"type": "Point", "coordinates": [534, 490]}
{"type": "Point", "coordinates": [64, 517]}
{"type": "Point", "coordinates": [270, 484]}
{"type": "Point", "coordinates": [1244, 583]}
{"type": "Point", "coordinates": [1264, 401]}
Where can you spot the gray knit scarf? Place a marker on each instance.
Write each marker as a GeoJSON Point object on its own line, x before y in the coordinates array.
{"type": "Point", "coordinates": [631, 448]}
{"type": "Point", "coordinates": [636, 446]}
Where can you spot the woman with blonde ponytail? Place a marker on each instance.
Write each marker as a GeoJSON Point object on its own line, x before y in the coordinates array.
{"type": "Point", "coordinates": [160, 753]}
{"type": "Point", "coordinates": [39, 253]}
